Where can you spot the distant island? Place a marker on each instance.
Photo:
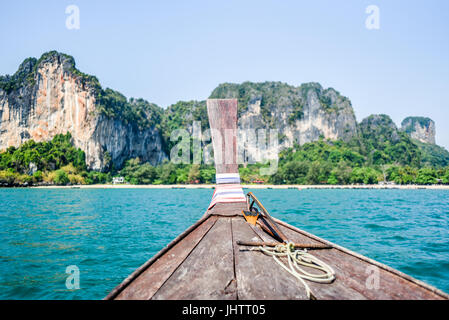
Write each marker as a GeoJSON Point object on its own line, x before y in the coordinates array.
{"type": "Point", "coordinates": [58, 126]}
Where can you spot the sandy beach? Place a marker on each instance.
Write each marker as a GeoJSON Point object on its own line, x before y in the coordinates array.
{"type": "Point", "coordinates": [251, 186]}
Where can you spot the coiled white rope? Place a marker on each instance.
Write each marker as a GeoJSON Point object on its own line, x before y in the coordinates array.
{"type": "Point", "coordinates": [300, 257]}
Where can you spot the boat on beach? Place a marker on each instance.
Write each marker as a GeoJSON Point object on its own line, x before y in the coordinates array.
{"type": "Point", "coordinates": [237, 251]}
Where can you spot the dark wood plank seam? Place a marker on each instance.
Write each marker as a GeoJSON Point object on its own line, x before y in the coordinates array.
{"type": "Point", "coordinates": [234, 245]}
{"type": "Point", "coordinates": [226, 215]}
{"type": "Point", "coordinates": [233, 260]}
{"type": "Point", "coordinates": [259, 231]}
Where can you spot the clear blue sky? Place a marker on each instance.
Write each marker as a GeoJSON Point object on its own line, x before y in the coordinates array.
{"type": "Point", "coordinates": [167, 51]}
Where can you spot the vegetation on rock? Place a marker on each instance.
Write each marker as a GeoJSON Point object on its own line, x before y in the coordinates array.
{"type": "Point", "coordinates": [269, 93]}
{"type": "Point", "coordinates": [409, 123]}
{"type": "Point", "coordinates": [140, 112]}
{"type": "Point", "coordinates": [110, 103]}
{"type": "Point", "coordinates": [379, 151]}
{"type": "Point", "coordinates": [182, 115]}
{"type": "Point", "coordinates": [432, 155]}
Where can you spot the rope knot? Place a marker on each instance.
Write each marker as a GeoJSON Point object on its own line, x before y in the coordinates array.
{"type": "Point", "coordinates": [299, 257]}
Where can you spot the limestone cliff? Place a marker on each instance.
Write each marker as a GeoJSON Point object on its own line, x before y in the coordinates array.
{"type": "Point", "coordinates": [419, 128]}
{"type": "Point", "coordinates": [50, 96]}
{"type": "Point", "coordinates": [301, 114]}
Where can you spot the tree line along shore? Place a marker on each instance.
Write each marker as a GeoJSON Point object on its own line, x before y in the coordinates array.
{"type": "Point", "coordinates": [323, 163]}
{"type": "Point", "coordinates": [248, 186]}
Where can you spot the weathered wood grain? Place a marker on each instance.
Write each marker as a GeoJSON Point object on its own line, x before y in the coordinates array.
{"type": "Point", "coordinates": [207, 273]}
{"type": "Point", "coordinates": [216, 267]}
{"type": "Point", "coordinates": [223, 125]}
{"type": "Point", "coordinates": [224, 209]}
{"type": "Point", "coordinates": [146, 284]}
{"type": "Point", "coordinates": [257, 275]}
{"type": "Point", "coordinates": [275, 244]}
{"type": "Point", "coordinates": [353, 272]}
{"type": "Point", "coordinates": [260, 277]}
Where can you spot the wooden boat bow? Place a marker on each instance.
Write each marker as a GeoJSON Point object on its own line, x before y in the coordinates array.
{"type": "Point", "coordinates": [206, 260]}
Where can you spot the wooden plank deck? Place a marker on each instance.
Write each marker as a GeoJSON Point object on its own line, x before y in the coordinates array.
{"type": "Point", "coordinates": [208, 264]}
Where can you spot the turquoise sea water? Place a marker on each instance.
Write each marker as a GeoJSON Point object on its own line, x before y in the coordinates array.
{"type": "Point", "coordinates": [108, 233]}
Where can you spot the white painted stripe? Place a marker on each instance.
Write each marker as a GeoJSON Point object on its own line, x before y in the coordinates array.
{"type": "Point", "coordinates": [225, 175]}
{"type": "Point", "coordinates": [222, 178]}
